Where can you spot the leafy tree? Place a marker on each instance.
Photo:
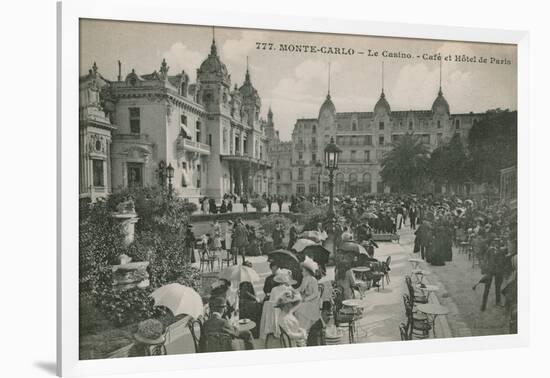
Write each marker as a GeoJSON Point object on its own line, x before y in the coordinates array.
{"type": "Point", "coordinates": [492, 143]}
{"type": "Point", "coordinates": [448, 163]}
{"type": "Point", "coordinates": [404, 167]}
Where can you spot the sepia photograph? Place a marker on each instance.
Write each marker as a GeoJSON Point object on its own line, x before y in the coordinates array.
{"type": "Point", "coordinates": [244, 189]}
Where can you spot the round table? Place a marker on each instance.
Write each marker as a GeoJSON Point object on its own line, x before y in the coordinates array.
{"type": "Point", "coordinates": [415, 262]}
{"type": "Point", "coordinates": [427, 289]}
{"type": "Point", "coordinates": [248, 326]}
{"type": "Point", "coordinates": [432, 311]}
{"type": "Point", "coordinates": [354, 303]}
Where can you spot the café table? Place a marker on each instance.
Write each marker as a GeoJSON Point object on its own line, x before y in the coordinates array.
{"type": "Point", "coordinates": [427, 289]}
{"type": "Point", "coordinates": [432, 311]}
{"type": "Point", "coordinates": [356, 306]}
{"type": "Point", "coordinates": [415, 262]}
{"type": "Point", "coordinates": [246, 325]}
{"type": "Point", "coordinates": [419, 274]}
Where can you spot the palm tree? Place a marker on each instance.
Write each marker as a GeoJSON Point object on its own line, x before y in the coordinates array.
{"type": "Point", "coordinates": [404, 166]}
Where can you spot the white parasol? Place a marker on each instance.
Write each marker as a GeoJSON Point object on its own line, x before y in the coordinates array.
{"type": "Point", "coordinates": [239, 273]}
{"type": "Point", "coordinates": [179, 299]}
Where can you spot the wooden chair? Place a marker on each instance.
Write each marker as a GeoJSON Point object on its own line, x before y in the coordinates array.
{"type": "Point", "coordinates": [218, 342]}
{"type": "Point", "coordinates": [196, 330]}
{"type": "Point", "coordinates": [207, 259]}
{"type": "Point", "coordinates": [416, 328]}
{"type": "Point", "coordinates": [343, 318]}
{"type": "Point", "coordinates": [387, 270]}
{"type": "Point", "coordinates": [227, 260]}
{"type": "Point", "coordinates": [415, 298]}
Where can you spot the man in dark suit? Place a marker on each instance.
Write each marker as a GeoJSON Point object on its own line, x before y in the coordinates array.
{"type": "Point", "coordinates": [217, 325]}
{"type": "Point", "coordinates": [269, 201]}
{"type": "Point", "coordinates": [240, 241]}
{"type": "Point", "coordinates": [280, 203]}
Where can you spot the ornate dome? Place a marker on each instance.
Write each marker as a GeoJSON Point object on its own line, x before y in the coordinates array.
{"type": "Point", "coordinates": [440, 104]}
{"type": "Point", "coordinates": [382, 104]}
{"type": "Point", "coordinates": [247, 90]}
{"type": "Point", "coordinates": [213, 65]}
{"type": "Point", "coordinates": [328, 106]}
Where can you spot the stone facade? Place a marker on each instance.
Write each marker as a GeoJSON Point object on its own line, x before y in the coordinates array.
{"type": "Point", "coordinates": [364, 137]}
{"type": "Point", "coordinates": [212, 135]}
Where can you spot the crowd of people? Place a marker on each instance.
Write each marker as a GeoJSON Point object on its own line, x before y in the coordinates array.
{"type": "Point", "coordinates": [299, 307]}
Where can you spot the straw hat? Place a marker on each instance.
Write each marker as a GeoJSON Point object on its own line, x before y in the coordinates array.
{"type": "Point", "coordinates": [288, 296]}
{"type": "Point", "coordinates": [284, 276]}
{"type": "Point", "coordinates": [150, 332]}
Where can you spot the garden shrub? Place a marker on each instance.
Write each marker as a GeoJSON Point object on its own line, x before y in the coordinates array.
{"type": "Point", "coordinates": [258, 203]}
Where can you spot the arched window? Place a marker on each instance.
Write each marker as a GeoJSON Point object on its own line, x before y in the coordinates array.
{"type": "Point", "coordinates": [366, 183]}
{"type": "Point", "coordinates": [353, 184]}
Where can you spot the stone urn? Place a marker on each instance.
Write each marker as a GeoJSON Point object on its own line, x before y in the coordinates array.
{"type": "Point", "coordinates": [128, 275]}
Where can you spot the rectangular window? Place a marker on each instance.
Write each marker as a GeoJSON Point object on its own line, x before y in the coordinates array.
{"type": "Point", "coordinates": [300, 174]}
{"type": "Point", "coordinates": [183, 119]}
{"type": "Point", "coordinates": [300, 156]}
{"type": "Point", "coordinates": [237, 145]}
{"type": "Point", "coordinates": [438, 124]}
{"type": "Point", "coordinates": [135, 127]}
{"type": "Point", "coordinates": [381, 125]}
{"type": "Point", "coordinates": [410, 125]}
{"type": "Point", "coordinates": [457, 124]}
{"type": "Point", "coordinates": [425, 138]}
{"type": "Point", "coordinates": [98, 174]}
{"type": "Point", "coordinates": [210, 140]}
{"type": "Point", "coordinates": [367, 156]}
{"type": "Point", "coordinates": [314, 157]}
{"type": "Point", "coordinates": [353, 155]}
{"type": "Point", "coordinates": [198, 129]}
{"type": "Point", "coordinates": [381, 140]}
{"type": "Point", "coordinates": [368, 140]}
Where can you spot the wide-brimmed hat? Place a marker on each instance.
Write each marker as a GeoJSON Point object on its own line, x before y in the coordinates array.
{"type": "Point", "coordinates": [150, 331]}
{"type": "Point", "coordinates": [310, 265]}
{"type": "Point", "coordinates": [288, 296]}
{"type": "Point", "coordinates": [284, 276]}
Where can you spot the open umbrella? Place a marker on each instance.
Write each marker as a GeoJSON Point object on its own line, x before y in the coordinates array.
{"type": "Point", "coordinates": [282, 254]}
{"type": "Point", "coordinates": [301, 244]}
{"type": "Point", "coordinates": [288, 260]}
{"type": "Point", "coordinates": [239, 273]}
{"type": "Point", "coordinates": [318, 253]}
{"type": "Point", "coordinates": [352, 247]}
{"type": "Point", "coordinates": [179, 299]}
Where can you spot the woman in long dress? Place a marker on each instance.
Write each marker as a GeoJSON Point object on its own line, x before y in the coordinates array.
{"type": "Point", "coordinates": [309, 312]}
{"type": "Point", "coordinates": [269, 325]}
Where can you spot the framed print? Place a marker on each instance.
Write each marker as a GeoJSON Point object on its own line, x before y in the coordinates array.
{"type": "Point", "coordinates": [239, 187]}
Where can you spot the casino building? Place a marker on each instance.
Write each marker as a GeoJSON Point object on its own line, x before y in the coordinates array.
{"type": "Point", "coordinates": [209, 132]}
{"type": "Point", "coordinates": [364, 137]}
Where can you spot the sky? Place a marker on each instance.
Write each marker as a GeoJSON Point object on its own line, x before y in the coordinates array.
{"type": "Point", "coordinates": [295, 84]}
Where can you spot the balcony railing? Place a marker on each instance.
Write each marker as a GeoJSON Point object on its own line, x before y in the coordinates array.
{"type": "Point", "coordinates": [185, 144]}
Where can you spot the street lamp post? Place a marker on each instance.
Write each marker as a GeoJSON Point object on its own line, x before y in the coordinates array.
{"type": "Point", "coordinates": [319, 166]}
{"type": "Point", "coordinates": [332, 152]}
{"type": "Point", "coordinates": [170, 175]}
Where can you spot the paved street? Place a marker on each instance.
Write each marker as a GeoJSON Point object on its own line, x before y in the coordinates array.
{"type": "Point", "coordinates": [384, 310]}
